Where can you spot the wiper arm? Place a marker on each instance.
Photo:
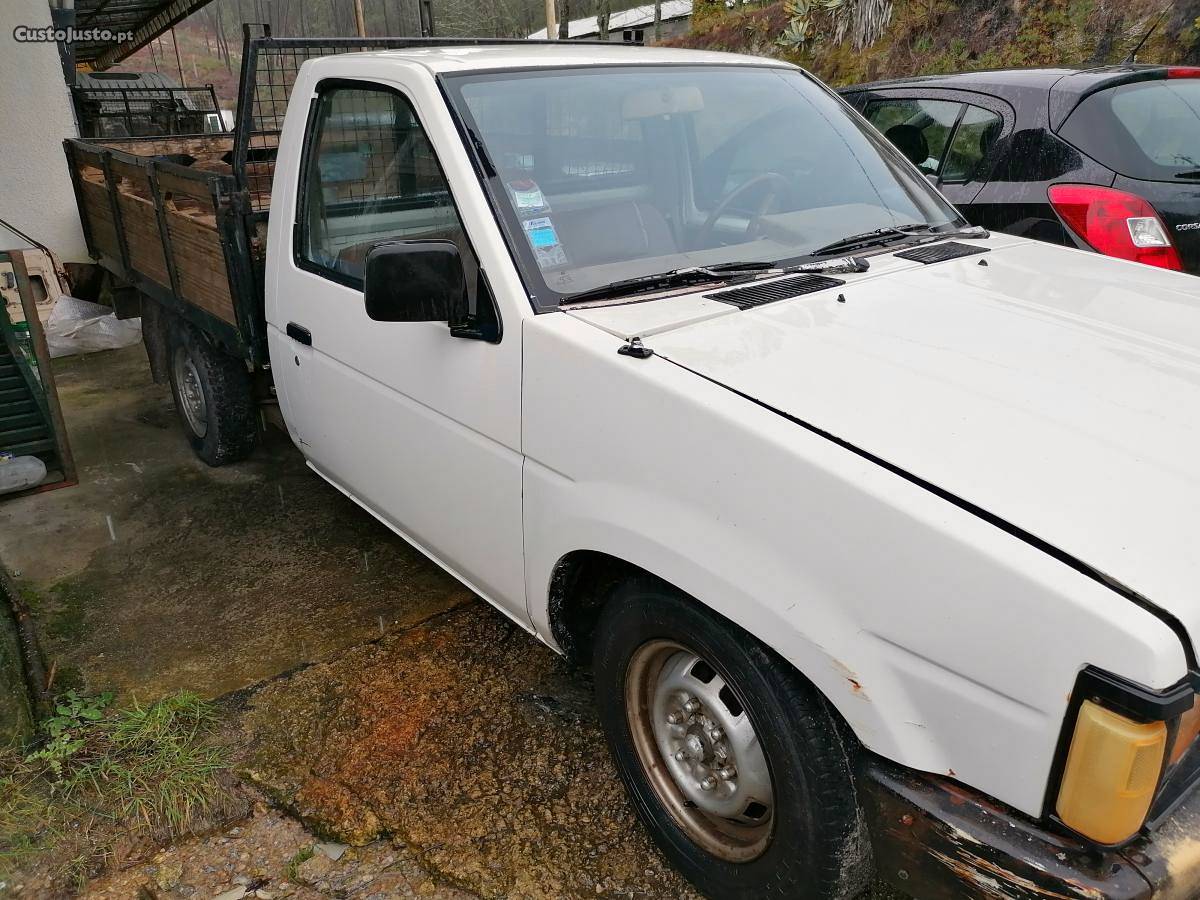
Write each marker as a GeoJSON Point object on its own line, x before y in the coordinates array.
{"type": "Point", "coordinates": [673, 278]}
{"type": "Point", "coordinates": [890, 233]}
{"type": "Point", "coordinates": [726, 271]}
{"type": "Point", "coordinates": [867, 238]}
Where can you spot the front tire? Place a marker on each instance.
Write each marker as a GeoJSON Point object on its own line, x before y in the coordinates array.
{"type": "Point", "coordinates": [212, 397]}
{"type": "Point", "coordinates": [731, 759]}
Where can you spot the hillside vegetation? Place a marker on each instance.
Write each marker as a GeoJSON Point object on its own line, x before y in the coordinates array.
{"type": "Point", "coordinates": [850, 41]}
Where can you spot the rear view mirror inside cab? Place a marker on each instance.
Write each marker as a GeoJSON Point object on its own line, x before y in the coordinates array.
{"type": "Point", "coordinates": [664, 101]}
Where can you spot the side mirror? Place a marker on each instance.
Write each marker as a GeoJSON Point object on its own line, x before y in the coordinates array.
{"type": "Point", "coordinates": [414, 281]}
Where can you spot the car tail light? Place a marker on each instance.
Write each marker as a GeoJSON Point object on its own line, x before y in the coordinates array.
{"type": "Point", "coordinates": [1115, 223]}
{"type": "Point", "coordinates": [1183, 71]}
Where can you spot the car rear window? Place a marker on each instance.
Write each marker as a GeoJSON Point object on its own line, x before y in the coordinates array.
{"type": "Point", "coordinates": [1149, 130]}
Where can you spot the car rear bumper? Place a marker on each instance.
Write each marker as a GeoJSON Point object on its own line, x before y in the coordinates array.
{"type": "Point", "coordinates": [936, 839]}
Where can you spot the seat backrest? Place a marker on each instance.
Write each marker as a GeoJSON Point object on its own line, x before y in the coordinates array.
{"type": "Point", "coordinates": [909, 140]}
{"type": "Point", "coordinates": [628, 230]}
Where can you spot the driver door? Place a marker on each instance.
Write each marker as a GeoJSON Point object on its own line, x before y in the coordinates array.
{"type": "Point", "coordinates": [420, 427]}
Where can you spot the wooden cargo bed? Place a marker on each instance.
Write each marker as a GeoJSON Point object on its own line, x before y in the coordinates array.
{"type": "Point", "coordinates": [166, 215]}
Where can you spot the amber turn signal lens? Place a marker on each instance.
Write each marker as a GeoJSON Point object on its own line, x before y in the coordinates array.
{"type": "Point", "coordinates": [1111, 774]}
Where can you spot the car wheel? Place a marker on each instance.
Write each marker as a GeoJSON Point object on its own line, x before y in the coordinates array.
{"type": "Point", "coordinates": [212, 396]}
{"type": "Point", "coordinates": [730, 757]}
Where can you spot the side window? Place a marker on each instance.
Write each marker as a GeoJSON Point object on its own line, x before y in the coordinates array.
{"type": "Point", "coordinates": [370, 175]}
{"type": "Point", "coordinates": [977, 132]}
{"type": "Point", "coordinates": [919, 128]}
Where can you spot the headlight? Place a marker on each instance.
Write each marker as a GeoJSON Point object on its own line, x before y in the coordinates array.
{"type": "Point", "coordinates": [1119, 741]}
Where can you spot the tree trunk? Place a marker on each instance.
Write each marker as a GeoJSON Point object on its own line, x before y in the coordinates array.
{"type": "Point", "coordinates": [603, 11]}
{"type": "Point", "coordinates": [658, 20]}
{"type": "Point", "coordinates": [564, 19]}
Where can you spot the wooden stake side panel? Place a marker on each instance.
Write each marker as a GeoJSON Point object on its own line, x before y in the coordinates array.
{"type": "Point", "coordinates": [140, 222]}
{"type": "Point", "coordinates": [200, 264]}
{"type": "Point", "coordinates": [97, 208]}
{"type": "Point", "coordinates": [194, 241]}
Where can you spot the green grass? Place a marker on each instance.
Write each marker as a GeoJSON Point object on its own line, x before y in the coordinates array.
{"type": "Point", "coordinates": [293, 866]}
{"type": "Point", "coordinates": [103, 776]}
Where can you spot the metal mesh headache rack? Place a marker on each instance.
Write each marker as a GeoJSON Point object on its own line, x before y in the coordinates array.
{"type": "Point", "coordinates": [123, 111]}
{"type": "Point", "coordinates": [269, 68]}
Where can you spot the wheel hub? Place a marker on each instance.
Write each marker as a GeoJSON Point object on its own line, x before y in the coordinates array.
{"type": "Point", "coordinates": [713, 772]}
{"type": "Point", "coordinates": [191, 393]}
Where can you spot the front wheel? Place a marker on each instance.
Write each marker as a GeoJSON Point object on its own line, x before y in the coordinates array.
{"type": "Point", "coordinates": [212, 396]}
{"type": "Point", "coordinates": [731, 759]}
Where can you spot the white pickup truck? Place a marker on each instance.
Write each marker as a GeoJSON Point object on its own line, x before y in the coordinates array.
{"type": "Point", "coordinates": [879, 533]}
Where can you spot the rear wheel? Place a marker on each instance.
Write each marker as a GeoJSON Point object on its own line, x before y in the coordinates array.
{"type": "Point", "coordinates": [730, 757]}
{"type": "Point", "coordinates": [212, 396]}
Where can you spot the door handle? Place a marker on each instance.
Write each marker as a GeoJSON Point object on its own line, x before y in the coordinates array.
{"type": "Point", "coordinates": [299, 334]}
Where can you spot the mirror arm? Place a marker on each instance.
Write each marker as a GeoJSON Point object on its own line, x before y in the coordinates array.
{"type": "Point", "coordinates": [485, 323]}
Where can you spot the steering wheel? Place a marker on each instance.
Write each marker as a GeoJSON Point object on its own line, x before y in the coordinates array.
{"type": "Point", "coordinates": [777, 184]}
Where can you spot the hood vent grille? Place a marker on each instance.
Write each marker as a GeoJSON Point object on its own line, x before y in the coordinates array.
{"type": "Point", "coordinates": [935, 253]}
{"type": "Point", "coordinates": [785, 288]}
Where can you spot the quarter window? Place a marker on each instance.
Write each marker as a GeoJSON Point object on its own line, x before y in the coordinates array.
{"type": "Point", "coordinates": [370, 176]}
{"type": "Point", "coordinates": [972, 143]}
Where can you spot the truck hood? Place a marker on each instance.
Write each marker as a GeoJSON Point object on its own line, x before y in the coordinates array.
{"type": "Point", "coordinates": [1055, 389]}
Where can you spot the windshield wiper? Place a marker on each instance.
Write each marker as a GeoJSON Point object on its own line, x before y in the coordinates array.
{"type": "Point", "coordinates": [878, 236]}
{"type": "Point", "coordinates": [673, 279]}
{"type": "Point", "coordinates": [727, 271]}
{"type": "Point", "coordinates": [890, 233]}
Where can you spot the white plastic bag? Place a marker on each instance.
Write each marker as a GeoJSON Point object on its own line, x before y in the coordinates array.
{"type": "Point", "coordinates": [20, 472]}
{"type": "Point", "coordinates": [78, 326]}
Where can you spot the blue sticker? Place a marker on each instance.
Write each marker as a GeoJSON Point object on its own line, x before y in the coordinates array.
{"type": "Point", "coordinates": [541, 233]}
{"type": "Point", "coordinates": [544, 241]}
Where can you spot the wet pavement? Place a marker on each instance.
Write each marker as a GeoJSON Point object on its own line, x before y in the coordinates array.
{"type": "Point", "coordinates": [368, 697]}
{"type": "Point", "coordinates": [468, 739]}
{"type": "Point", "coordinates": [158, 573]}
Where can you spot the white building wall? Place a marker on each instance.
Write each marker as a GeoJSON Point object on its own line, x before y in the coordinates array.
{"type": "Point", "coordinates": [35, 115]}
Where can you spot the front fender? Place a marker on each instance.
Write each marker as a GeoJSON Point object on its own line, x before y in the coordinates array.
{"type": "Point", "coordinates": [947, 644]}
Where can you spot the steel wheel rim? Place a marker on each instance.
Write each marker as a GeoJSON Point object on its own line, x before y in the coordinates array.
{"type": "Point", "coordinates": [716, 785]}
{"type": "Point", "coordinates": [190, 390]}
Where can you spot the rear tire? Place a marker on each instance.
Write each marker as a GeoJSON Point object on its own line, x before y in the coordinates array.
{"type": "Point", "coordinates": [695, 774]}
{"type": "Point", "coordinates": [212, 397]}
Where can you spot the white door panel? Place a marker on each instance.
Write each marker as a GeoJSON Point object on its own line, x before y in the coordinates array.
{"type": "Point", "coordinates": [420, 427]}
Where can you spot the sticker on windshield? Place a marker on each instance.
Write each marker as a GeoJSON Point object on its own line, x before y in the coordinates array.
{"type": "Point", "coordinates": [528, 197]}
{"type": "Point", "coordinates": [544, 241]}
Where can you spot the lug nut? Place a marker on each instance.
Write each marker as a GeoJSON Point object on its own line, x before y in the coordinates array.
{"type": "Point", "coordinates": [675, 718]}
{"type": "Point", "coordinates": [680, 755]}
{"type": "Point", "coordinates": [692, 706]}
{"type": "Point", "coordinates": [715, 734]}
{"type": "Point", "coordinates": [708, 784]}
{"type": "Point", "coordinates": [727, 773]}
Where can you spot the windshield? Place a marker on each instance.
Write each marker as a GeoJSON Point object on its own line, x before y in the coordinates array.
{"type": "Point", "coordinates": [607, 174]}
{"type": "Point", "coordinates": [1148, 130]}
